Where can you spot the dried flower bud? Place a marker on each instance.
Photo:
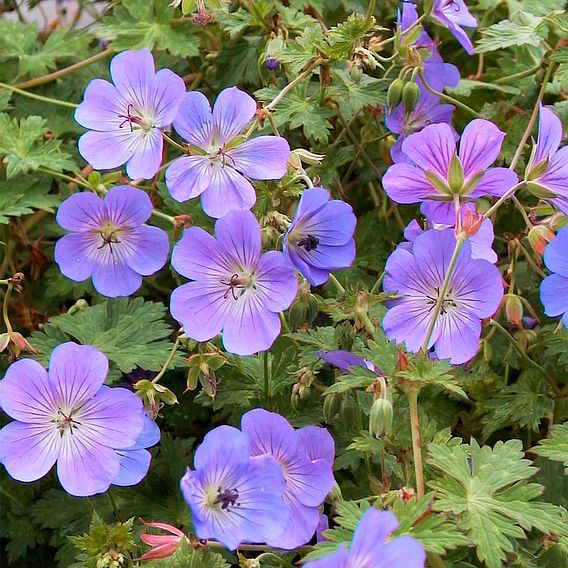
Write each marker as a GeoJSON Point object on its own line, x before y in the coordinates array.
{"type": "Point", "coordinates": [539, 236]}
{"type": "Point", "coordinates": [513, 309]}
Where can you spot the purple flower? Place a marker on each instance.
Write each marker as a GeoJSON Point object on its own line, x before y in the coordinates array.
{"type": "Point", "coordinates": [109, 240]}
{"type": "Point", "coordinates": [370, 549]}
{"type": "Point", "coordinates": [306, 460]}
{"type": "Point", "coordinates": [437, 171]}
{"type": "Point", "coordinates": [428, 110]}
{"type": "Point", "coordinates": [438, 74]}
{"type": "Point", "coordinates": [440, 217]}
{"type": "Point", "coordinates": [453, 14]}
{"type": "Point", "coordinates": [344, 360]}
{"type": "Point", "coordinates": [217, 170]}
{"type": "Point", "coordinates": [234, 498]}
{"type": "Point", "coordinates": [95, 433]}
{"type": "Point", "coordinates": [547, 172]}
{"type": "Point", "coordinates": [320, 238]}
{"type": "Point", "coordinates": [126, 119]}
{"type": "Point", "coordinates": [235, 288]}
{"type": "Point", "coordinates": [554, 288]}
{"type": "Point", "coordinates": [474, 292]}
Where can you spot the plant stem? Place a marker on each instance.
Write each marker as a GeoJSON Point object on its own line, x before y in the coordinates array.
{"type": "Point", "coordinates": [64, 177]}
{"type": "Point", "coordinates": [340, 289]}
{"type": "Point", "coordinates": [5, 308]}
{"type": "Point", "coordinates": [447, 98]}
{"type": "Point", "coordinates": [507, 195]}
{"type": "Point", "coordinates": [442, 293]}
{"type": "Point", "coordinates": [294, 82]}
{"type": "Point", "coordinates": [533, 117]}
{"type": "Point", "coordinates": [287, 329]}
{"type": "Point", "coordinates": [377, 284]}
{"type": "Point", "coordinates": [173, 143]}
{"type": "Point", "coordinates": [114, 505]}
{"type": "Point", "coordinates": [516, 76]}
{"type": "Point", "coordinates": [167, 361]}
{"type": "Point", "coordinates": [37, 97]}
{"type": "Point", "coordinates": [165, 216]}
{"type": "Point", "coordinates": [416, 444]}
{"type": "Point", "coordinates": [65, 71]}
{"type": "Point", "coordinates": [267, 393]}
{"type": "Point", "coordinates": [370, 10]}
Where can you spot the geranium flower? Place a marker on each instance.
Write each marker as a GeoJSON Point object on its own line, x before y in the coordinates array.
{"type": "Point", "coordinates": [306, 461]}
{"type": "Point", "coordinates": [428, 110]}
{"type": "Point", "coordinates": [437, 171]}
{"type": "Point", "coordinates": [126, 119]}
{"type": "Point", "coordinates": [439, 217]}
{"type": "Point", "coordinates": [554, 288]}
{"type": "Point", "coordinates": [474, 292]}
{"type": "Point", "coordinates": [109, 240]}
{"type": "Point", "coordinates": [320, 238]}
{"type": "Point", "coordinates": [453, 14]}
{"type": "Point", "coordinates": [370, 549]}
{"type": "Point", "coordinates": [438, 74]}
{"type": "Point", "coordinates": [67, 415]}
{"type": "Point", "coordinates": [547, 172]}
{"type": "Point", "coordinates": [344, 360]}
{"type": "Point", "coordinates": [234, 497]}
{"type": "Point", "coordinates": [217, 172]}
{"type": "Point", "coordinates": [235, 288]}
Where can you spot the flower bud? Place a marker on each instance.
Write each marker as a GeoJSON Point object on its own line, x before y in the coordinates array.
{"type": "Point", "coordinates": [162, 545]}
{"type": "Point", "coordinates": [348, 411]}
{"type": "Point", "coordinates": [356, 71]}
{"type": "Point", "coordinates": [487, 351]}
{"type": "Point", "coordinates": [513, 309]}
{"type": "Point", "coordinates": [394, 93]}
{"type": "Point", "coordinates": [331, 404]}
{"type": "Point", "coordinates": [410, 95]}
{"type": "Point", "coordinates": [308, 157]}
{"type": "Point", "coordinates": [539, 236]}
{"type": "Point", "coordinates": [469, 221]}
{"type": "Point", "coordinates": [380, 417]}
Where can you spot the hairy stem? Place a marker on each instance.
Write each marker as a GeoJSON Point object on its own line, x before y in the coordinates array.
{"type": "Point", "coordinates": [167, 361]}
{"type": "Point", "coordinates": [5, 308]}
{"type": "Point", "coordinates": [416, 444]}
{"type": "Point", "coordinates": [64, 177]}
{"type": "Point", "coordinates": [37, 97]}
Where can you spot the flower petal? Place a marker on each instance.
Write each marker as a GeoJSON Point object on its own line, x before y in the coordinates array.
{"type": "Point", "coordinates": [85, 468]}
{"type": "Point", "coordinates": [107, 150]}
{"type": "Point", "coordinates": [134, 465]}
{"type": "Point", "coordinates": [238, 234]}
{"type": "Point", "coordinates": [28, 451]}
{"type": "Point", "coordinates": [222, 448]}
{"type": "Point", "coordinates": [232, 111]}
{"type": "Point", "coordinates": [127, 206]}
{"type": "Point", "coordinates": [146, 249]}
{"type": "Point", "coordinates": [318, 442]}
{"type": "Point", "coordinates": [76, 373]}
{"type": "Point", "coordinates": [25, 393]}
{"type": "Point", "coordinates": [370, 536]}
{"type": "Point", "coordinates": [133, 72]}
{"type": "Point", "coordinates": [337, 559]}
{"type": "Point", "coordinates": [458, 340]}
{"type": "Point", "coordinates": [166, 93]}
{"type": "Point", "coordinates": [402, 552]}
{"type": "Point", "coordinates": [405, 183]}
{"type": "Point", "coordinates": [276, 281]}
{"type": "Point", "coordinates": [188, 177]}
{"type": "Point", "coordinates": [432, 149]}
{"type": "Point", "coordinates": [112, 277]}
{"type": "Point", "coordinates": [101, 106]}
{"type": "Point", "coordinates": [549, 134]}
{"type": "Point", "coordinates": [147, 154]}
{"type": "Point", "coordinates": [228, 191]}
{"type": "Point", "coordinates": [554, 295]}
{"type": "Point", "coordinates": [302, 525]}
{"type": "Point", "coordinates": [264, 157]}
{"type": "Point", "coordinates": [556, 175]}
{"type": "Point", "coordinates": [201, 308]}
{"type": "Point", "coordinates": [496, 182]}
{"type": "Point", "coordinates": [74, 254]}
{"type": "Point", "coordinates": [480, 145]}
{"type": "Point", "coordinates": [194, 121]}
{"type": "Point", "coordinates": [81, 212]}
{"type": "Point", "coordinates": [556, 253]}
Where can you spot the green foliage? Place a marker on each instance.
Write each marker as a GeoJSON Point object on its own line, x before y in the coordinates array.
{"type": "Point", "coordinates": [555, 447]}
{"type": "Point", "coordinates": [23, 148]}
{"type": "Point", "coordinates": [525, 30]}
{"type": "Point", "coordinates": [22, 195]}
{"type": "Point", "coordinates": [488, 492]}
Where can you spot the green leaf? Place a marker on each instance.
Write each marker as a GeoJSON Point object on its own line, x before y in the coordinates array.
{"type": "Point", "coordinates": [555, 447]}
{"type": "Point", "coordinates": [528, 30]}
{"type": "Point", "coordinates": [131, 332]}
{"type": "Point", "coordinates": [344, 36]}
{"type": "Point", "coordinates": [21, 42]}
{"type": "Point", "coordinates": [466, 86]}
{"type": "Point", "coordinates": [136, 24]}
{"type": "Point", "coordinates": [353, 96]}
{"type": "Point", "coordinates": [305, 48]}
{"type": "Point", "coordinates": [22, 195]}
{"type": "Point", "coordinates": [423, 371]}
{"type": "Point", "coordinates": [561, 57]}
{"type": "Point", "coordinates": [486, 489]}
{"type": "Point", "coordinates": [23, 148]}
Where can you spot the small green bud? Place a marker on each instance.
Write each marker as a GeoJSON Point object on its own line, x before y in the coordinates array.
{"type": "Point", "coordinates": [380, 417]}
{"type": "Point", "coordinates": [356, 72]}
{"type": "Point", "coordinates": [487, 351]}
{"type": "Point", "coordinates": [348, 411]}
{"type": "Point", "coordinates": [331, 404]}
{"type": "Point", "coordinates": [456, 176]}
{"type": "Point", "coordinates": [394, 93]}
{"type": "Point", "coordinates": [410, 95]}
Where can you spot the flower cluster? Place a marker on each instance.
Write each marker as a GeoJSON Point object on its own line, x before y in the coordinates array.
{"type": "Point", "coordinates": [261, 484]}
{"type": "Point", "coordinates": [97, 435]}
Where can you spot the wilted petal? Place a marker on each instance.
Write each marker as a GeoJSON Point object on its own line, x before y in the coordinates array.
{"type": "Point", "coordinates": [264, 157]}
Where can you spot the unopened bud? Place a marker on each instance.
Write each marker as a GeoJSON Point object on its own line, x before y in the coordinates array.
{"type": "Point", "coordinates": [487, 351]}
{"type": "Point", "coordinates": [394, 93]}
{"type": "Point", "coordinates": [356, 71]}
{"type": "Point", "coordinates": [513, 309]}
{"type": "Point", "coordinates": [410, 96]}
{"type": "Point", "coordinates": [380, 418]}
{"type": "Point", "coordinates": [470, 221]}
{"type": "Point", "coordinates": [348, 411]}
{"type": "Point", "coordinates": [304, 392]}
{"type": "Point", "coordinates": [331, 404]}
{"type": "Point", "coordinates": [402, 361]}
{"type": "Point", "coordinates": [539, 236]}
